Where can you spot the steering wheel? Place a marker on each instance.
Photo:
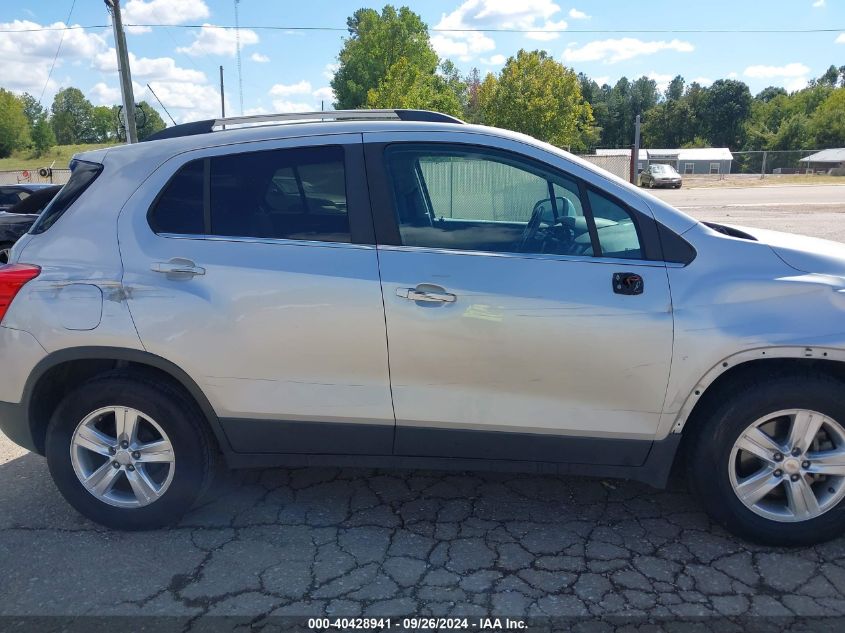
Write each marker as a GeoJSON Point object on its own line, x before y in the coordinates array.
{"type": "Point", "coordinates": [530, 231]}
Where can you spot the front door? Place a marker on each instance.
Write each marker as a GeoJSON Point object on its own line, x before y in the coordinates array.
{"type": "Point", "coordinates": [525, 318]}
{"type": "Point", "coordinates": [253, 268]}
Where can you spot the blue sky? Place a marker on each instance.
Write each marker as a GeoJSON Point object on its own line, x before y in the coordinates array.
{"type": "Point", "coordinates": [290, 71]}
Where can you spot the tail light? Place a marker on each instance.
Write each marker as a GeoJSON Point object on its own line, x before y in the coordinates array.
{"type": "Point", "coordinates": [13, 277]}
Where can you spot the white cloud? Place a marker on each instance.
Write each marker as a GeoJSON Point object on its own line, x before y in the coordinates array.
{"type": "Point", "coordinates": [733, 75]}
{"type": "Point", "coordinates": [464, 46]}
{"type": "Point", "coordinates": [162, 12]}
{"type": "Point", "coordinates": [531, 15]}
{"type": "Point", "coordinates": [617, 50]}
{"type": "Point", "coordinates": [26, 57]}
{"type": "Point", "coordinates": [661, 80]}
{"type": "Point", "coordinates": [211, 40]}
{"type": "Point", "coordinates": [285, 90]}
{"type": "Point", "coordinates": [325, 93]}
{"type": "Point", "coordinates": [818, 4]}
{"type": "Point", "coordinates": [258, 57]}
{"type": "Point", "coordinates": [796, 83]}
{"type": "Point", "coordinates": [794, 69]}
{"type": "Point", "coordinates": [841, 39]}
{"type": "Point", "coordinates": [703, 81]}
{"type": "Point", "coordinates": [148, 68]}
{"type": "Point", "coordinates": [575, 14]}
{"type": "Point", "coordinates": [283, 105]}
{"type": "Point", "coordinates": [188, 101]}
{"type": "Point", "coordinates": [792, 76]}
{"type": "Point", "coordinates": [104, 94]}
{"type": "Point", "coordinates": [330, 70]}
{"type": "Point", "coordinates": [494, 60]}
{"type": "Point", "coordinates": [604, 79]}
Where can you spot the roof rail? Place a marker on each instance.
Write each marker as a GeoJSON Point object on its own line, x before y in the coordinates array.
{"type": "Point", "coordinates": [209, 125]}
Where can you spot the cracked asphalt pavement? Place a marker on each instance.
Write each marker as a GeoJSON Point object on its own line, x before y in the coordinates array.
{"type": "Point", "coordinates": [348, 542]}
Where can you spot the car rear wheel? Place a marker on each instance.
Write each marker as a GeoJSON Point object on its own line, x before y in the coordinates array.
{"type": "Point", "coordinates": [770, 463]}
{"type": "Point", "coordinates": [5, 252]}
{"type": "Point", "coordinates": [129, 452]}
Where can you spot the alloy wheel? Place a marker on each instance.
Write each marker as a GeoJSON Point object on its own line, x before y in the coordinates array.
{"type": "Point", "coordinates": [789, 466]}
{"type": "Point", "coordinates": [122, 457]}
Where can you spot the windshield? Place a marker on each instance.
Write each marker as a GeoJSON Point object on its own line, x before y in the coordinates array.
{"type": "Point", "coordinates": [663, 169]}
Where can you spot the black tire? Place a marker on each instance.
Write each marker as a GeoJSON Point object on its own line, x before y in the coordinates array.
{"type": "Point", "coordinates": [180, 418]}
{"type": "Point", "coordinates": [709, 449]}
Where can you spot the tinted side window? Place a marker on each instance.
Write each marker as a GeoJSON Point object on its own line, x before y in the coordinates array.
{"type": "Point", "coordinates": [280, 194]}
{"type": "Point", "coordinates": [290, 194]}
{"type": "Point", "coordinates": [467, 199]}
{"type": "Point", "coordinates": [82, 175]}
{"type": "Point", "coordinates": [615, 227]}
{"type": "Point", "coordinates": [180, 206]}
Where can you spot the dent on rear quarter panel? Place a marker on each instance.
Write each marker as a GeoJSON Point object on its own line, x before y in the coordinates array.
{"type": "Point", "coordinates": [738, 296]}
{"type": "Point", "coordinates": [81, 271]}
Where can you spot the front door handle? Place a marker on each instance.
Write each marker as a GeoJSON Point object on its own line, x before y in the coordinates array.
{"type": "Point", "coordinates": [627, 284]}
{"type": "Point", "coordinates": [426, 294]}
{"type": "Point", "coordinates": [178, 267]}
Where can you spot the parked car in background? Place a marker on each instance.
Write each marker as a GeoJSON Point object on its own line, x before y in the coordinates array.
{"type": "Point", "coordinates": [659, 175]}
{"type": "Point", "coordinates": [429, 294]}
{"type": "Point", "coordinates": [16, 220]}
{"type": "Point", "coordinates": [10, 195]}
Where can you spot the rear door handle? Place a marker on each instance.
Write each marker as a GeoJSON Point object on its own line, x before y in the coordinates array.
{"type": "Point", "coordinates": [178, 266]}
{"type": "Point", "coordinates": [426, 296]}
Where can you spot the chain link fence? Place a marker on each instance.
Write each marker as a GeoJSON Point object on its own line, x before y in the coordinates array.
{"type": "Point", "coordinates": [35, 176]}
{"type": "Point", "coordinates": [775, 163]}
{"type": "Point", "coordinates": [617, 165]}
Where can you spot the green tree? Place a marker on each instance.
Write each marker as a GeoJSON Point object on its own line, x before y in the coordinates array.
{"type": "Point", "coordinates": [767, 94]}
{"type": "Point", "coordinates": [828, 122]}
{"type": "Point", "coordinates": [536, 95]}
{"type": "Point", "coordinates": [727, 107]}
{"type": "Point", "coordinates": [675, 90]}
{"type": "Point", "coordinates": [43, 137]}
{"type": "Point", "coordinates": [32, 109]}
{"type": "Point", "coordinates": [472, 111]}
{"type": "Point", "coordinates": [406, 86]}
{"type": "Point", "coordinates": [153, 123]}
{"type": "Point", "coordinates": [14, 126]}
{"type": "Point", "coordinates": [375, 44]}
{"type": "Point", "coordinates": [72, 117]}
{"type": "Point", "coordinates": [104, 123]}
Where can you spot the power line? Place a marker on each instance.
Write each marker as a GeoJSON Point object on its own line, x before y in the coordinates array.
{"type": "Point", "coordinates": [264, 27]}
{"type": "Point", "coordinates": [56, 56]}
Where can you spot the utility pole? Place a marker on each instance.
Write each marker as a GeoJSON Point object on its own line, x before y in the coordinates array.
{"type": "Point", "coordinates": [635, 153]}
{"type": "Point", "coordinates": [123, 70]}
{"type": "Point", "coordinates": [222, 98]}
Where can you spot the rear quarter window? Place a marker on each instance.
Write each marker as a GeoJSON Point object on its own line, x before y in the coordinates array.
{"type": "Point", "coordinates": [82, 175]}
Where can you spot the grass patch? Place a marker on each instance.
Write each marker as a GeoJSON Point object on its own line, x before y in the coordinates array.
{"type": "Point", "coordinates": [61, 154]}
{"type": "Point", "coordinates": [771, 180]}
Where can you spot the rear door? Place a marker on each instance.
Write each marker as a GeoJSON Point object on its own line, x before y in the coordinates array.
{"type": "Point", "coordinates": [253, 268]}
{"type": "Point", "coordinates": [528, 312]}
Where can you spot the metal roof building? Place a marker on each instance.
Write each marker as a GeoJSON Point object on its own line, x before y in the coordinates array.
{"type": "Point", "coordinates": [706, 160]}
{"type": "Point", "coordinates": [827, 158]}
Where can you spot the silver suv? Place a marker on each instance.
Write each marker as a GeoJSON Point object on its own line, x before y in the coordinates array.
{"type": "Point", "coordinates": [396, 288]}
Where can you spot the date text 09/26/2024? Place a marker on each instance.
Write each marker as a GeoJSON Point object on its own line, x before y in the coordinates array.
{"type": "Point", "coordinates": [417, 624]}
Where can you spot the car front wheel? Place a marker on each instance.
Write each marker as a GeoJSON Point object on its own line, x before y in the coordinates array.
{"type": "Point", "coordinates": [769, 464]}
{"type": "Point", "coordinates": [129, 452]}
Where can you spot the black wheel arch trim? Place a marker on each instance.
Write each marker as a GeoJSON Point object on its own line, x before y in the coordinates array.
{"type": "Point", "coordinates": [140, 357]}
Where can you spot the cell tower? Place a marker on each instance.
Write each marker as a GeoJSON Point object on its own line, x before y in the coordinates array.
{"type": "Point", "coordinates": [238, 53]}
